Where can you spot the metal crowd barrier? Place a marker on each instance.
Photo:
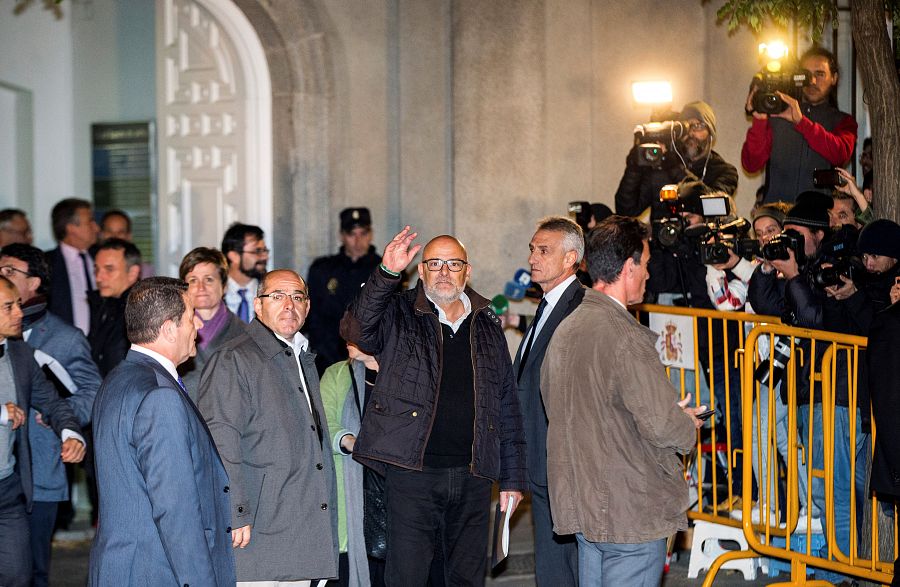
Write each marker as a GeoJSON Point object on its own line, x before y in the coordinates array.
{"type": "Point", "coordinates": [852, 539]}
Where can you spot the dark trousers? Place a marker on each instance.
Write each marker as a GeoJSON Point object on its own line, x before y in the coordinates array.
{"type": "Point", "coordinates": [15, 542]}
{"type": "Point", "coordinates": [422, 504]}
{"type": "Point", "coordinates": [555, 557]}
{"type": "Point", "coordinates": [42, 521]}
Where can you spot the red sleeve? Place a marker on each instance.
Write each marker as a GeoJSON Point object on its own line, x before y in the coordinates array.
{"type": "Point", "coordinates": [836, 146]}
{"type": "Point", "coordinates": [757, 146]}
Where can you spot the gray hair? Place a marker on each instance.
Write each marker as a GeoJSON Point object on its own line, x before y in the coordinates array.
{"type": "Point", "coordinates": [573, 236]}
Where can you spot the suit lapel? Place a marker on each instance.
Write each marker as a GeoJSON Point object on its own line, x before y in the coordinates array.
{"type": "Point", "coordinates": [164, 377]}
{"type": "Point", "coordinates": [568, 301]}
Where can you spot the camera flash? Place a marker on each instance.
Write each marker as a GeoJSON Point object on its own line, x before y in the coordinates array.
{"type": "Point", "coordinates": [658, 92]}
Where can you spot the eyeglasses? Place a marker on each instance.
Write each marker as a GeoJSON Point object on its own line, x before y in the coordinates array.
{"type": "Point", "coordinates": [257, 251]}
{"type": "Point", "coordinates": [454, 265]}
{"type": "Point", "coordinates": [280, 296]}
{"type": "Point", "coordinates": [698, 126]}
{"type": "Point", "coordinates": [9, 271]}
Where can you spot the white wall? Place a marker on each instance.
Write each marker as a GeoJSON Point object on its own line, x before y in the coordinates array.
{"type": "Point", "coordinates": [37, 57]}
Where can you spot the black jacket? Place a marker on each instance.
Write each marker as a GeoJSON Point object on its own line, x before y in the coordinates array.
{"type": "Point", "coordinates": [108, 335]}
{"type": "Point", "coordinates": [333, 283]}
{"type": "Point", "coordinates": [639, 186]}
{"type": "Point", "coordinates": [883, 349]}
{"type": "Point", "coordinates": [403, 331]}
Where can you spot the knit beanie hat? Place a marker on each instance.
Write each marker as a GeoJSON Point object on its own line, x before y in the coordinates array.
{"type": "Point", "coordinates": [701, 111]}
{"type": "Point", "coordinates": [881, 237]}
{"type": "Point", "coordinates": [775, 211]}
{"type": "Point", "coordinates": [809, 212]}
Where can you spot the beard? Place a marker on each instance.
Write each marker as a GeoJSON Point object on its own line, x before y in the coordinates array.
{"type": "Point", "coordinates": [694, 149]}
{"type": "Point", "coordinates": [256, 271]}
{"type": "Point", "coordinates": [443, 297]}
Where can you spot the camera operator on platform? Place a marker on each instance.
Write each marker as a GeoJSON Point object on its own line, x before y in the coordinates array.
{"type": "Point", "coordinates": [807, 135]}
{"type": "Point", "coordinates": [689, 158]}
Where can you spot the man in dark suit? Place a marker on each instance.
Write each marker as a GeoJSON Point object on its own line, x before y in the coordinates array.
{"type": "Point", "coordinates": [22, 386]}
{"type": "Point", "coordinates": [260, 396]}
{"type": "Point", "coordinates": [71, 264]}
{"type": "Point", "coordinates": [63, 353]}
{"type": "Point", "coordinates": [164, 501]}
{"type": "Point", "coordinates": [556, 250]}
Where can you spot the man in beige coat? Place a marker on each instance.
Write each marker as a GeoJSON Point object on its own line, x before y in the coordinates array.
{"type": "Point", "coordinates": [615, 425]}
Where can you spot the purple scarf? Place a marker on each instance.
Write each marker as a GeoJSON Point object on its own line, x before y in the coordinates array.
{"type": "Point", "coordinates": [212, 327]}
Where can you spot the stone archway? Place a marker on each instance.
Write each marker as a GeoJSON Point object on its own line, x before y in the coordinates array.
{"type": "Point", "coordinates": [296, 47]}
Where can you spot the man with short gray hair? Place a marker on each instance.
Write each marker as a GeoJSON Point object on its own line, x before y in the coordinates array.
{"type": "Point", "coordinates": [556, 251]}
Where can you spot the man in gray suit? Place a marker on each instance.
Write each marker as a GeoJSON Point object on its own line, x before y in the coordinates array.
{"type": "Point", "coordinates": [260, 396]}
{"type": "Point", "coordinates": [556, 250]}
{"type": "Point", "coordinates": [63, 352]}
{"type": "Point", "coordinates": [164, 507]}
{"type": "Point", "coordinates": [23, 385]}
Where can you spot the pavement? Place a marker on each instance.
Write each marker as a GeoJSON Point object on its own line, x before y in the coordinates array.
{"type": "Point", "coordinates": [71, 551]}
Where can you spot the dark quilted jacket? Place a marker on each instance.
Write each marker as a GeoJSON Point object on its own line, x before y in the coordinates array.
{"type": "Point", "coordinates": [403, 332]}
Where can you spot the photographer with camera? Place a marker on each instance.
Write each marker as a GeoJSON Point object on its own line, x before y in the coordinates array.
{"type": "Point", "coordinates": [672, 152]}
{"type": "Point", "coordinates": [808, 281]}
{"type": "Point", "coordinates": [726, 281]}
{"type": "Point", "coordinates": [879, 249]}
{"type": "Point", "coordinates": [792, 137]}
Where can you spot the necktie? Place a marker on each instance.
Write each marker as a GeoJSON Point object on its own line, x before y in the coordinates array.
{"type": "Point", "coordinates": [87, 272]}
{"type": "Point", "coordinates": [181, 383]}
{"type": "Point", "coordinates": [531, 335]}
{"type": "Point", "coordinates": [244, 307]}
{"type": "Point", "coordinates": [2, 350]}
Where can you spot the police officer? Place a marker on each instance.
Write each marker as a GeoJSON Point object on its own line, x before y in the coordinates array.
{"type": "Point", "coordinates": [335, 280]}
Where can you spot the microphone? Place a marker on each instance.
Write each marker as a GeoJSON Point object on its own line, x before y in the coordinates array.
{"type": "Point", "coordinates": [515, 288]}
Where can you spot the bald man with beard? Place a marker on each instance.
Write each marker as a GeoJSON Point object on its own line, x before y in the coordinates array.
{"type": "Point", "coordinates": [439, 445]}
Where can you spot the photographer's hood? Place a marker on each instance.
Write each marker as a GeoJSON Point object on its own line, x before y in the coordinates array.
{"type": "Point", "coordinates": [703, 112]}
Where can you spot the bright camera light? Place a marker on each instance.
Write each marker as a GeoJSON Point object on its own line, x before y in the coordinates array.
{"type": "Point", "coordinates": [652, 92]}
{"type": "Point", "coordinates": [774, 50]}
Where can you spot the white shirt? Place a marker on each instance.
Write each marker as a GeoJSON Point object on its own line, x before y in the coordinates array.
{"type": "Point", "coordinates": [299, 344]}
{"type": "Point", "coordinates": [552, 298]}
{"type": "Point", "coordinates": [233, 298]}
{"type": "Point", "coordinates": [442, 316]}
{"type": "Point", "coordinates": [166, 363]}
{"type": "Point", "coordinates": [78, 288]}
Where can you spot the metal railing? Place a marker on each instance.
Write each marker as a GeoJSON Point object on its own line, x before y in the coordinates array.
{"type": "Point", "coordinates": [815, 448]}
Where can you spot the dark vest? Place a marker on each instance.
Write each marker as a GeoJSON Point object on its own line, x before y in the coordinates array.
{"type": "Point", "coordinates": [792, 161]}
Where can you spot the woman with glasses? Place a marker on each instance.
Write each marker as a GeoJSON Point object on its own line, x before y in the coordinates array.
{"type": "Point", "coordinates": [206, 272]}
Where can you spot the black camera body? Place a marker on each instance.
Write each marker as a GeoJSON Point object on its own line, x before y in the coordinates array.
{"type": "Point", "coordinates": [778, 248]}
{"type": "Point", "coordinates": [669, 230]}
{"type": "Point", "coordinates": [726, 237]}
{"type": "Point", "coordinates": [766, 82]}
{"type": "Point", "coordinates": [839, 253]}
{"type": "Point", "coordinates": [654, 139]}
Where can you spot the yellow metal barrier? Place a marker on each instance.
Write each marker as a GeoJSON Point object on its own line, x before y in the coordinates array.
{"type": "Point", "coordinates": [728, 328]}
{"type": "Point", "coordinates": [838, 365]}
{"type": "Point", "coordinates": [827, 361]}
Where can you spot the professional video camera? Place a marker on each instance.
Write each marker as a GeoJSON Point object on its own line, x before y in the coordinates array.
{"type": "Point", "coordinates": [777, 248]}
{"type": "Point", "coordinates": [838, 258]}
{"type": "Point", "coordinates": [777, 76]}
{"type": "Point", "coordinates": [726, 236]}
{"type": "Point", "coordinates": [667, 231]}
{"type": "Point", "coordinates": [654, 139]}
{"type": "Point", "coordinates": [766, 82]}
